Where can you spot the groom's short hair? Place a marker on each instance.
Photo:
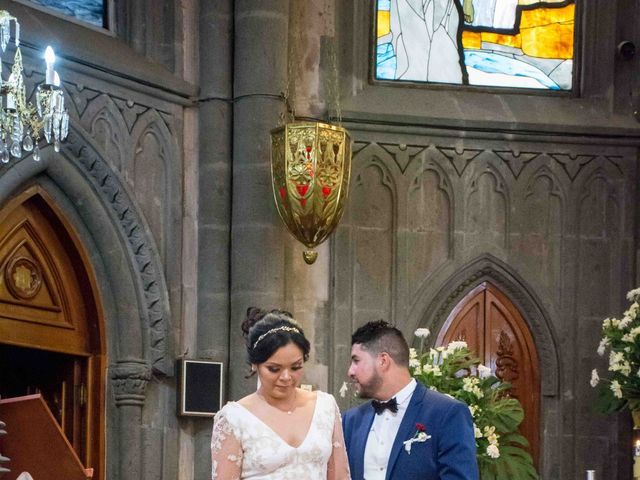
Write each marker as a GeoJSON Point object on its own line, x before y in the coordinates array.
{"type": "Point", "coordinates": [380, 336]}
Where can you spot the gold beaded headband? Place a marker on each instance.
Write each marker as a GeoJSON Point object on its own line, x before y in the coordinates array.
{"type": "Point", "coordinates": [273, 330]}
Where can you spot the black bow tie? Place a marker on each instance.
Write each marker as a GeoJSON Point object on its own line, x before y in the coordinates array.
{"type": "Point", "coordinates": [380, 407]}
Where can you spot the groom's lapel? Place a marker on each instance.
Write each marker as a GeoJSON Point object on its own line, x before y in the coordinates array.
{"type": "Point", "coordinates": [407, 426]}
{"type": "Point", "coordinates": [360, 441]}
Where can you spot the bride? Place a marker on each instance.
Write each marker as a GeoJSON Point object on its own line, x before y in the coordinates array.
{"type": "Point", "coordinates": [280, 432]}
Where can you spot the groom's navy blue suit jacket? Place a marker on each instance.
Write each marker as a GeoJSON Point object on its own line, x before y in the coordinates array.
{"type": "Point", "coordinates": [450, 453]}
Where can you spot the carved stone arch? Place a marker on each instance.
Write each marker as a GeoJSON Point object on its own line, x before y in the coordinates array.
{"type": "Point", "coordinates": [491, 218]}
{"type": "Point", "coordinates": [434, 307]}
{"type": "Point", "coordinates": [121, 235]}
{"type": "Point", "coordinates": [130, 281]}
{"type": "Point", "coordinates": [151, 121]}
{"type": "Point", "coordinates": [386, 177]}
{"type": "Point", "coordinates": [597, 166]}
{"type": "Point", "coordinates": [541, 203]}
{"type": "Point", "coordinates": [500, 182]}
{"type": "Point", "coordinates": [444, 184]}
{"type": "Point", "coordinates": [602, 220]}
{"type": "Point", "coordinates": [150, 127]}
{"type": "Point", "coordinates": [438, 242]}
{"type": "Point", "coordinates": [611, 221]}
{"type": "Point", "coordinates": [137, 242]}
{"type": "Point", "coordinates": [374, 155]}
{"type": "Point", "coordinates": [112, 139]}
{"type": "Point", "coordinates": [557, 189]}
{"type": "Point", "coordinates": [369, 229]}
{"type": "Point", "coordinates": [599, 174]}
{"type": "Point", "coordinates": [495, 159]}
{"type": "Point", "coordinates": [365, 154]}
{"type": "Point", "coordinates": [545, 172]}
{"type": "Point", "coordinates": [435, 155]}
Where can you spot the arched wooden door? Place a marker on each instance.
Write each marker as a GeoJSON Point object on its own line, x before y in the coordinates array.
{"type": "Point", "coordinates": [494, 329]}
{"type": "Point", "coordinates": [51, 335]}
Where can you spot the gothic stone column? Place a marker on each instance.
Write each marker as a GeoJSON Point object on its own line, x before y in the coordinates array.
{"type": "Point", "coordinates": [257, 237]}
{"type": "Point", "coordinates": [129, 380]}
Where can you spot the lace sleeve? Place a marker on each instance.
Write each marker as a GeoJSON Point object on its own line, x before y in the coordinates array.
{"type": "Point", "coordinates": [226, 450]}
{"type": "Point", "coordinates": [338, 466]}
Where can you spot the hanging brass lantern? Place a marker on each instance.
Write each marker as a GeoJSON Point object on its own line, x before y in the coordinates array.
{"type": "Point", "coordinates": [310, 169]}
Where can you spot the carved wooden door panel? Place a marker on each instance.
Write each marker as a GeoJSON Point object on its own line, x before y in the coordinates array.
{"type": "Point", "coordinates": [494, 328]}
{"type": "Point", "coordinates": [51, 339]}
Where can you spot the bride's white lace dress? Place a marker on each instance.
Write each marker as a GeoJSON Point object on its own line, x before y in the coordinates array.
{"type": "Point", "coordinates": [243, 446]}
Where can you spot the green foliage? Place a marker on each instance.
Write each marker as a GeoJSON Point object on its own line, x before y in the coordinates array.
{"type": "Point", "coordinates": [453, 370]}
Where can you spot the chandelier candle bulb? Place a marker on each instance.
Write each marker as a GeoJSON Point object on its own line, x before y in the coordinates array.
{"type": "Point", "coordinates": [50, 74]}
{"type": "Point", "coordinates": [17, 115]}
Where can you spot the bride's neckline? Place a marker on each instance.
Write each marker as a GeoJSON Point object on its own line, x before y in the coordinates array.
{"type": "Point", "coordinates": [311, 423]}
{"type": "Point", "coordinates": [288, 411]}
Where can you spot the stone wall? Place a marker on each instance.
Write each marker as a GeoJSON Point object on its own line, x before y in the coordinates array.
{"type": "Point", "coordinates": [122, 179]}
{"type": "Point", "coordinates": [551, 224]}
{"type": "Point", "coordinates": [166, 178]}
{"type": "Point", "coordinates": [535, 193]}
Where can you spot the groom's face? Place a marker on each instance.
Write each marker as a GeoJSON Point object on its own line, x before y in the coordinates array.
{"type": "Point", "coordinates": [363, 371]}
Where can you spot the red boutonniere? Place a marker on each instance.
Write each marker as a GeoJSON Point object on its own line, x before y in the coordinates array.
{"type": "Point", "coordinates": [419, 436]}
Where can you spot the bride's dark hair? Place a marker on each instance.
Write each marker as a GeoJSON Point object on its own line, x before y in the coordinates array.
{"type": "Point", "coordinates": [267, 331]}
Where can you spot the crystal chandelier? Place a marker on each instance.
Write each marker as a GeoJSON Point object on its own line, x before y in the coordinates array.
{"type": "Point", "coordinates": [22, 124]}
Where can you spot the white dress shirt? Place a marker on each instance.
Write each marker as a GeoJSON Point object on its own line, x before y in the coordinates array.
{"type": "Point", "coordinates": [382, 434]}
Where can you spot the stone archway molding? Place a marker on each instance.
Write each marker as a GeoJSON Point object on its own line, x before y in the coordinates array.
{"type": "Point", "coordinates": [490, 269]}
{"type": "Point", "coordinates": [118, 217]}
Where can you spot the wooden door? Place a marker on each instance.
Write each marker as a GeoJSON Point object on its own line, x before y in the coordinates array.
{"type": "Point", "coordinates": [51, 336]}
{"type": "Point", "coordinates": [495, 330]}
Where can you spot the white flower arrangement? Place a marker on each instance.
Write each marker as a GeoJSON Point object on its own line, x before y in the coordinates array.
{"type": "Point", "coordinates": [620, 388]}
{"type": "Point", "coordinates": [453, 370]}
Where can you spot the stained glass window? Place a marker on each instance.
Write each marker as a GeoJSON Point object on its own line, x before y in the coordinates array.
{"type": "Point", "coordinates": [499, 43]}
{"type": "Point", "coordinates": [90, 11]}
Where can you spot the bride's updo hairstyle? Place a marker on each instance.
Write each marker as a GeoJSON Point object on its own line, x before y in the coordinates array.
{"type": "Point", "coordinates": [267, 331]}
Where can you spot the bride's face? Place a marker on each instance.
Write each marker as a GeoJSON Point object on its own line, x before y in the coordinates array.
{"type": "Point", "coordinates": [281, 373]}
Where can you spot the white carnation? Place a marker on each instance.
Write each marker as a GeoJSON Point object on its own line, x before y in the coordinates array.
{"type": "Point", "coordinates": [434, 369]}
{"type": "Point", "coordinates": [493, 451]}
{"type": "Point", "coordinates": [626, 320]}
{"type": "Point", "coordinates": [616, 389]}
{"type": "Point", "coordinates": [484, 372]}
{"type": "Point", "coordinates": [603, 345]}
{"type": "Point", "coordinates": [422, 333]}
{"type": "Point", "coordinates": [633, 294]}
{"type": "Point", "coordinates": [456, 345]}
{"type": "Point", "coordinates": [595, 379]}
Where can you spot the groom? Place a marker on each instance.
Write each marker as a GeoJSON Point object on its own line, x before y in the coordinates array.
{"type": "Point", "coordinates": [407, 431]}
